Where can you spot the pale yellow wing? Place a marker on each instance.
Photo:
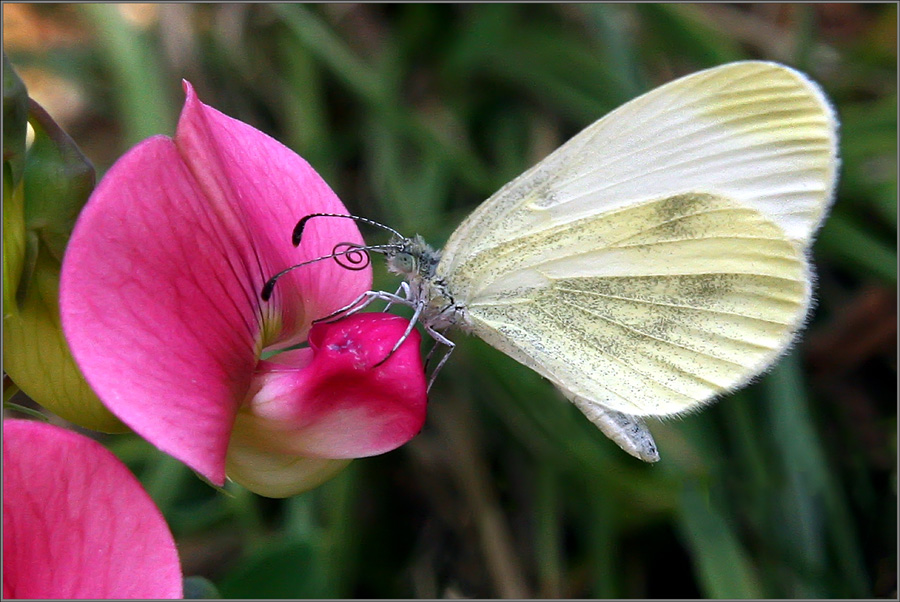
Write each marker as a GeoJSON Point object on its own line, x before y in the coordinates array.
{"type": "Point", "coordinates": [651, 309]}
{"type": "Point", "coordinates": [755, 132]}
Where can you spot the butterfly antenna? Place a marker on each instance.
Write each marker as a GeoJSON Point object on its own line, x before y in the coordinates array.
{"type": "Point", "coordinates": [298, 229]}
{"type": "Point", "coordinates": [356, 256]}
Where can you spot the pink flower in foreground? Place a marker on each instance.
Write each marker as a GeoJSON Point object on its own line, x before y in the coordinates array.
{"type": "Point", "coordinates": [76, 523]}
{"type": "Point", "coordinates": [160, 304]}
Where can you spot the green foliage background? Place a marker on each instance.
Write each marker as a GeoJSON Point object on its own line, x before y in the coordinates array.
{"type": "Point", "coordinates": [416, 113]}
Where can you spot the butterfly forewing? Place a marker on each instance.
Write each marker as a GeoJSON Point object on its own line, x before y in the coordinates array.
{"type": "Point", "coordinates": [756, 132]}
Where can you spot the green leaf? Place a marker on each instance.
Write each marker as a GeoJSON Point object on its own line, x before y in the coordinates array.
{"type": "Point", "coordinates": [15, 119]}
{"type": "Point", "coordinates": [682, 30]}
{"type": "Point", "coordinates": [200, 588]}
{"type": "Point", "coordinates": [610, 25]}
{"type": "Point", "coordinates": [37, 358]}
{"type": "Point", "coordinates": [722, 565]}
{"type": "Point", "coordinates": [548, 531]}
{"type": "Point", "coordinates": [137, 75]}
{"type": "Point", "coordinates": [15, 116]}
{"type": "Point", "coordinates": [303, 106]}
{"type": "Point", "coordinates": [869, 157]}
{"type": "Point", "coordinates": [854, 246]}
{"type": "Point", "coordinates": [13, 239]}
{"type": "Point", "coordinates": [9, 406]}
{"type": "Point", "coordinates": [9, 389]}
{"type": "Point", "coordinates": [279, 570]}
{"type": "Point", "coordinates": [364, 81]}
{"type": "Point", "coordinates": [38, 217]}
{"type": "Point", "coordinates": [815, 510]}
{"type": "Point", "coordinates": [58, 181]}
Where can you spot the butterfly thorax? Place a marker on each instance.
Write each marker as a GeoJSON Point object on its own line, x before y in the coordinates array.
{"type": "Point", "coordinates": [416, 261]}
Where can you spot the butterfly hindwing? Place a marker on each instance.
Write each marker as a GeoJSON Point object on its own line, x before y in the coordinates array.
{"type": "Point", "coordinates": [651, 310]}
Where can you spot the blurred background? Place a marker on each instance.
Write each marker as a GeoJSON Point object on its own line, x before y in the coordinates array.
{"type": "Point", "coordinates": [414, 114]}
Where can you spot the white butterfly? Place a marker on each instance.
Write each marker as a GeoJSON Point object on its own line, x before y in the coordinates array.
{"type": "Point", "coordinates": [653, 262]}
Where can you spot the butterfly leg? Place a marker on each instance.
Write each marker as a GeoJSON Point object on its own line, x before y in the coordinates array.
{"type": "Point", "coordinates": [409, 328]}
{"type": "Point", "coordinates": [431, 353]}
{"type": "Point", "coordinates": [339, 312]}
{"type": "Point", "coordinates": [361, 303]}
{"type": "Point", "coordinates": [404, 288]}
{"type": "Point", "coordinates": [439, 339]}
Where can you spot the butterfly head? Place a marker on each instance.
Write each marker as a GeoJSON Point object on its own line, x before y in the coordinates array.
{"type": "Point", "coordinates": [412, 258]}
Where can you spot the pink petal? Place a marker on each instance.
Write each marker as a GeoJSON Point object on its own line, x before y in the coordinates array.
{"type": "Point", "coordinates": [76, 523]}
{"type": "Point", "coordinates": [159, 293]}
{"type": "Point", "coordinates": [239, 166]}
{"type": "Point", "coordinates": [341, 404]}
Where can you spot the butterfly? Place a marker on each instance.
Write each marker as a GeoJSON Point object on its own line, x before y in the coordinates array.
{"type": "Point", "coordinates": [652, 263]}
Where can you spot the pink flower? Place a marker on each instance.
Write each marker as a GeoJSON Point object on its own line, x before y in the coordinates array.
{"type": "Point", "coordinates": [76, 523]}
{"type": "Point", "coordinates": [160, 303]}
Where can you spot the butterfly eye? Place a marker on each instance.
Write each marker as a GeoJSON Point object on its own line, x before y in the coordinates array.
{"type": "Point", "coordinates": [405, 262]}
